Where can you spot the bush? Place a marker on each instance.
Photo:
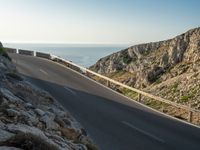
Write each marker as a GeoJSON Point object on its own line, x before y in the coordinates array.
{"type": "Point", "coordinates": [14, 76]}
{"type": "Point", "coordinates": [127, 59]}
{"type": "Point", "coordinates": [184, 98]}
{"type": "Point", "coordinates": [158, 81]}
{"type": "Point", "coordinates": [4, 54]}
{"type": "Point", "coordinates": [1, 50]}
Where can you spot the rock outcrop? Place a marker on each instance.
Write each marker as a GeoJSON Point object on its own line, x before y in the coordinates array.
{"type": "Point", "coordinates": [148, 65]}
{"type": "Point", "coordinates": [31, 118]}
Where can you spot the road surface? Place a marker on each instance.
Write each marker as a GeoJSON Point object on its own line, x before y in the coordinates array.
{"type": "Point", "coordinates": [113, 121]}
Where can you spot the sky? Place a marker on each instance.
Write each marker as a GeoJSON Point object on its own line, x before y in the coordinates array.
{"type": "Point", "coordinates": [96, 21]}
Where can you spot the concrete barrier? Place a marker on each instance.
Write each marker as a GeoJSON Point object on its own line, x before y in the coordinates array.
{"type": "Point", "coordinates": [10, 50]}
{"type": "Point", "coordinates": [26, 52]}
{"type": "Point", "coordinates": [43, 55]}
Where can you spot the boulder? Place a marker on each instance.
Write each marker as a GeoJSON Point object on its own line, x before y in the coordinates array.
{"type": "Point", "coordinates": [29, 118]}
{"type": "Point", "coordinates": [10, 96]}
{"type": "Point", "coordinates": [34, 136]}
{"type": "Point", "coordinates": [39, 112]}
{"type": "Point", "coordinates": [48, 119]}
{"type": "Point", "coordinates": [12, 112]}
{"type": "Point", "coordinates": [5, 135]}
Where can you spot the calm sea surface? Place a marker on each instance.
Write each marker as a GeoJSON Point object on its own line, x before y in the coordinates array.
{"type": "Point", "coordinates": [84, 55]}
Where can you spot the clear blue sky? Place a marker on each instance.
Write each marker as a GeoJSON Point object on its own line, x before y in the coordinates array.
{"type": "Point", "coordinates": [96, 21]}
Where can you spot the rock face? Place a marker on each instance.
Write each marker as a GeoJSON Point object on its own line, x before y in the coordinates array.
{"type": "Point", "coordinates": [158, 62]}
{"type": "Point", "coordinates": [31, 118]}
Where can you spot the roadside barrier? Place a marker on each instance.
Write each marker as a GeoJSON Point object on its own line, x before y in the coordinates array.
{"type": "Point", "coordinates": [26, 52]}
{"type": "Point", "coordinates": [43, 55]}
{"type": "Point", "coordinates": [10, 50]}
{"type": "Point", "coordinates": [86, 71]}
{"type": "Point", "coordinates": [140, 93]}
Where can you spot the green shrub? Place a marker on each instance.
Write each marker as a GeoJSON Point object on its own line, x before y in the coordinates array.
{"type": "Point", "coordinates": [174, 87]}
{"type": "Point", "coordinates": [1, 50]}
{"type": "Point", "coordinates": [14, 76]}
{"type": "Point", "coordinates": [127, 59]}
{"type": "Point", "coordinates": [129, 93]}
{"type": "Point", "coordinates": [158, 81]}
{"type": "Point", "coordinates": [184, 98]}
{"type": "Point", "coordinates": [4, 54]}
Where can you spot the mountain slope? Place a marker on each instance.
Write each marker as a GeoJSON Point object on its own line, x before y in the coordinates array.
{"type": "Point", "coordinates": [167, 68]}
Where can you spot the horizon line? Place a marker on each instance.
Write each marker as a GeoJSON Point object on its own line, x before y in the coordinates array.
{"type": "Point", "coordinates": [70, 43]}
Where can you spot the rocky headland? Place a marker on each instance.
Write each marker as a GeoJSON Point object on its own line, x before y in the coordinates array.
{"type": "Point", "coordinates": [169, 69]}
{"type": "Point", "coordinates": [31, 119]}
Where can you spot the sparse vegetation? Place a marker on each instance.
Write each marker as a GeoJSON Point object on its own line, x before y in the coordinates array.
{"type": "Point", "coordinates": [174, 87]}
{"type": "Point", "coordinates": [161, 68]}
{"type": "Point", "coordinates": [184, 98]}
{"type": "Point", "coordinates": [14, 75]}
{"type": "Point", "coordinates": [127, 59]}
{"type": "Point", "coordinates": [153, 104]}
{"type": "Point", "coordinates": [158, 81]}
{"type": "Point", "coordinates": [129, 93]}
{"type": "Point", "coordinates": [4, 54]}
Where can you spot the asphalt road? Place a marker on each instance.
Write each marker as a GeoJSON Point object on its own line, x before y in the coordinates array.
{"type": "Point", "coordinates": [113, 121]}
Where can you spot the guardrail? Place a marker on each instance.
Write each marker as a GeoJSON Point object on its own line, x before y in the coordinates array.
{"type": "Point", "coordinates": [140, 93]}
{"type": "Point", "coordinates": [26, 52]}
{"type": "Point", "coordinates": [10, 50]}
{"type": "Point", "coordinates": [43, 55]}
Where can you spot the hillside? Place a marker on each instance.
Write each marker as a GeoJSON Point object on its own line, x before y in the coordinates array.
{"type": "Point", "coordinates": [170, 68]}
{"type": "Point", "coordinates": [31, 119]}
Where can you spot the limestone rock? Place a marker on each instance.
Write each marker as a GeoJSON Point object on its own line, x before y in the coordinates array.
{"type": "Point", "coordinates": [12, 112]}
{"type": "Point", "coordinates": [5, 135]}
{"type": "Point", "coordinates": [48, 119]}
{"type": "Point", "coordinates": [39, 112]}
{"type": "Point", "coordinates": [31, 118]}
{"type": "Point", "coordinates": [9, 148]}
{"type": "Point", "coordinates": [9, 95]}
{"type": "Point", "coordinates": [165, 55]}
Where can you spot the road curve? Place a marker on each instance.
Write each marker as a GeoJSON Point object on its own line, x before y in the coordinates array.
{"type": "Point", "coordinates": [113, 121]}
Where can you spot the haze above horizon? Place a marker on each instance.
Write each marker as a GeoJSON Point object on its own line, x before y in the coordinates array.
{"type": "Point", "coordinates": [96, 22]}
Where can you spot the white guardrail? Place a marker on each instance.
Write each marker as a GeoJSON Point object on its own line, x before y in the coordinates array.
{"type": "Point", "coordinates": [140, 93]}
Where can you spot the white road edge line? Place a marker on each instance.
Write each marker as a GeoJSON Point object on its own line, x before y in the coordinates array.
{"type": "Point", "coordinates": [44, 72]}
{"type": "Point", "coordinates": [144, 132]}
{"type": "Point", "coordinates": [71, 91]}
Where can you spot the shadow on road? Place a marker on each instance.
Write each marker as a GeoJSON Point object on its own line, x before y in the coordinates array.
{"type": "Point", "coordinates": [119, 124]}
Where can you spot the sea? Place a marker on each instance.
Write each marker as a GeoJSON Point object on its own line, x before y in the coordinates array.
{"type": "Point", "coordinates": [81, 54]}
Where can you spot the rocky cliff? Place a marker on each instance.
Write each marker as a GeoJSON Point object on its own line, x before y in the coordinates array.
{"type": "Point", "coordinates": [31, 119]}
{"type": "Point", "coordinates": [167, 68]}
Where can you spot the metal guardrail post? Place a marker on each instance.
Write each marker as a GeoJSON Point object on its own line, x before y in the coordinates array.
{"type": "Point", "coordinates": [139, 97]}
{"type": "Point", "coordinates": [190, 114]}
{"type": "Point", "coordinates": [108, 83]}
{"type": "Point", "coordinates": [162, 108]}
{"type": "Point", "coordinates": [87, 73]}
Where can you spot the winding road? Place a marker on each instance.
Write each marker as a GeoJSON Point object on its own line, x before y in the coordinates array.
{"type": "Point", "coordinates": [112, 120]}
